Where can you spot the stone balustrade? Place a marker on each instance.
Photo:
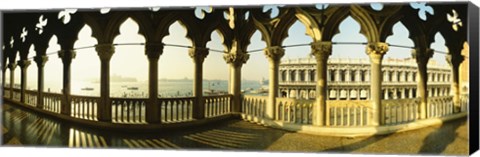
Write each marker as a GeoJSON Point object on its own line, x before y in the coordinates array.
{"type": "Point", "coordinates": [346, 113]}
{"type": "Point", "coordinates": [338, 113]}
{"type": "Point", "coordinates": [176, 109]}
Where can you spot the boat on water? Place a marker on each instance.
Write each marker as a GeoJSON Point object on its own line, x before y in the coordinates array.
{"type": "Point", "coordinates": [87, 88]}
{"type": "Point", "coordinates": [214, 92]}
{"type": "Point", "coordinates": [132, 88]}
{"type": "Point", "coordinates": [259, 91]}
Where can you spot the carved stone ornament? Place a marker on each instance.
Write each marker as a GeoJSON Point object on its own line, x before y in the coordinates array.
{"type": "Point", "coordinates": [23, 63]}
{"type": "Point", "coordinates": [274, 53]}
{"type": "Point", "coordinates": [198, 54]}
{"type": "Point", "coordinates": [67, 55]}
{"type": "Point", "coordinates": [40, 60]}
{"type": "Point", "coordinates": [236, 58]}
{"type": "Point", "coordinates": [105, 51]}
{"type": "Point", "coordinates": [153, 50]}
{"type": "Point", "coordinates": [321, 50]}
{"type": "Point", "coordinates": [377, 48]}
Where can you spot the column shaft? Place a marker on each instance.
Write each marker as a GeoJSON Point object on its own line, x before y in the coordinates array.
{"type": "Point", "coordinates": [104, 110]}
{"type": "Point", "coordinates": [12, 67]}
{"type": "Point", "coordinates": [422, 56]}
{"type": "Point", "coordinates": [198, 55]}
{"type": "Point", "coordinates": [321, 51]}
{"type": "Point", "coordinates": [23, 79]}
{"type": "Point", "coordinates": [40, 60]}
{"type": "Point", "coordinates": [67, 57]}
{"type": "Point", "coordinates": [153, 108]}
{"type": "Point", "coordinates": [376, 52]}
{"type": "Point", "coordinates": [274, 54]}
{"type": "Point", "coordinates": [236, 59]}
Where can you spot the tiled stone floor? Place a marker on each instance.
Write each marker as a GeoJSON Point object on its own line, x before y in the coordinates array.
{"type": "Point", "coordinates": [22, 128]}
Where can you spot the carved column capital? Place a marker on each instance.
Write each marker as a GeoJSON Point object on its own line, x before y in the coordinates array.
{"type": "Point", "coordinates": [321, 49]}
{"type": "Point", "coordinates": [454, 60]}
{"type": "Point", "coordinates": [12, 66]}
{"type": "Point", "coordinates": [237, 59]}
{"type": "Point", "coordinates": [198, 54]}
{"type": "Point", "coordinates": [274, 53]}
{"type": "Point", "coordinates": [422, 54]}
{"type": "Point", "coordinates": [40, 60]}
{"type": "Point", "coordinates": [105, 51]}
{"type": "Point", "coordinates": [376, 50]}
{"type": "Point", "coordinates": [154, 50]}
{"type": "Point", "coordinates": [67, 55]}
{"type": "Point", "coordinates": [23, 63]}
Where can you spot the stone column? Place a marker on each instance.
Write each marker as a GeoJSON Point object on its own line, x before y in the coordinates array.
{"type": "Point", "coordinates": [385, 94]}
{"type": "Point", "coordinates": [287, 75]}
{"type": "Point", "coordinates": [321, 51]}
{"type": "Point", "coordinates": [198, 55]}
{"type": "Point", "coordinates": [357, 75]}
{"type": "Point", "coordinates": [67, 56]}
{"type": "Point", "coordinates": [347, 75]}
{"type": "Point", "coordinates": [454, 61]}
{"type": "Point", "coordinates": [153, 52]}
{"type": "Point", "coordinates": [40, 60]}
{"type": "Point", "coordinates": [23, 79]}
{"type": "Point", "coordinates": [104, 108]}
{"type": "Point", "coordinates": [274, 54]}
{"type": "Point", "coordinates": [337, 75]}
{"type": "Point", "coordinates": [4, 71]}
{"type": "Point", "coordinates": [12, 67]}
{"type": "Point", "coordinates": [236, 59]}
{"type": "Point", "coordinates": [422, 56]}
{"type": "Point", "coordinates": [395, 76]}
{"type": "Point", "coordinates": [376, 51]}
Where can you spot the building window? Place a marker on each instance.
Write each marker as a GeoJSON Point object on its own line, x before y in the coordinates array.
{"type": "Point", "coordinates": [332, 75]}
{"type": "Point", "coordinates": [342, 75]}
{"type": "Point", "coordinates": [352, 75]}
{"type": "Point", "coordinates": [312, 75]}
{"type": "Point", "coordinates": [292, 76]}
{"type": "Point", "coordinates": [302, 75]}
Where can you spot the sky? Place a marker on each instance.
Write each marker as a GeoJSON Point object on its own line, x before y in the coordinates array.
{"type": "Point", "coordinates": [175, 63]}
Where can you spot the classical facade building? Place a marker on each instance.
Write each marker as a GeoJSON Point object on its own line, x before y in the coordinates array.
{"type": "Point", "coordinates": [349, 79]}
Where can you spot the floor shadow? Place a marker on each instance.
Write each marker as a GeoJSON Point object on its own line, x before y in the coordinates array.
{"type": "Point", "coordinates": [222, 135]}
{"type": "Point", "coordinates": [437, 141]}
{"type": "Point", "coordinates": [358, 145]}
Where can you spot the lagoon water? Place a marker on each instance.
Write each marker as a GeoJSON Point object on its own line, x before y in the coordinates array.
{"type": "Point", "coordinates": [166, 88]}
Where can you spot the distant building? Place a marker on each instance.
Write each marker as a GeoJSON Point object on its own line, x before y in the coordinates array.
{"type": "Point", "coordinates": [349, 79]}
